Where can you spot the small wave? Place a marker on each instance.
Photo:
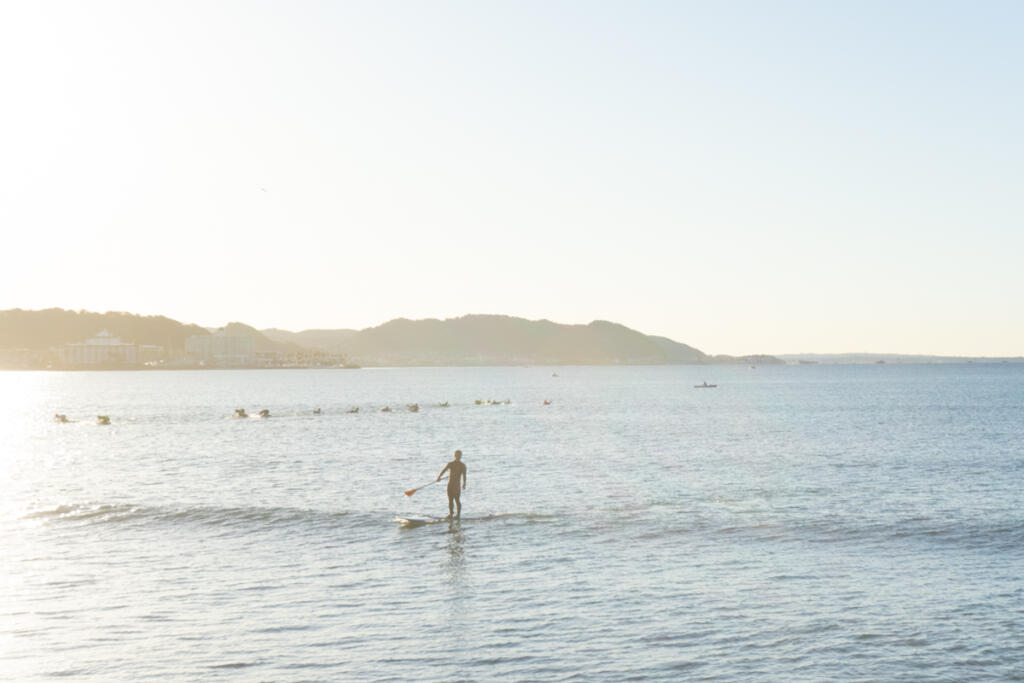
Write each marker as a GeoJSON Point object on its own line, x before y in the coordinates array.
{"type": "Point", "coordinates": [82, 511]}
{"type": "Point", "coordinates": [525, 517]}
{"type": "Point", "coordinates": [69, 673]}
{"type": "Point", "coordinates": [233, 665]}
{"type": "Point", "coordinates": [227, 517]}
{"type": "Point", "coordinates": [973, 533]}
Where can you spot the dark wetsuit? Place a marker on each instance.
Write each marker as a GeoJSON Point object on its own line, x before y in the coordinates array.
{"type": "Point", "coordinates": [456, 475]}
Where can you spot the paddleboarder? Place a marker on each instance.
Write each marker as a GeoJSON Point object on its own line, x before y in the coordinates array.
{"type": "Point", "coordinates": [456, 472]}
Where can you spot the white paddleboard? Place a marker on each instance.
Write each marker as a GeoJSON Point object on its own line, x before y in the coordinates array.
{"type": "Point", "coordinates": [419, 521]}
{"type": "Point", "coordinates": [422, 521]}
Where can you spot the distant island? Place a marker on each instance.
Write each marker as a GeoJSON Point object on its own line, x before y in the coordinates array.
{"type": "Point", "coordinates": [62, 339]}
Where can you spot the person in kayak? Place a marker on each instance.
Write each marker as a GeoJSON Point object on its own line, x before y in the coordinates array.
{"type": "Point", "coordinates": [456, 470]}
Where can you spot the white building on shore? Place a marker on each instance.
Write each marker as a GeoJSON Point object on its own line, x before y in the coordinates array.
{"type": "Point", "coordinates": [103, 349]}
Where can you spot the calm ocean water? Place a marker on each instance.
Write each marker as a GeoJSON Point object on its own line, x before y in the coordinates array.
{"type": "Point", "coordinates": [795, 523]}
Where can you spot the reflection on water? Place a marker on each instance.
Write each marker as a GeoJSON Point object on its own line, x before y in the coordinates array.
{"type": "Point", "coordinates": [459, 607]}
{"type": "Point", "coordinates": [455, 566]}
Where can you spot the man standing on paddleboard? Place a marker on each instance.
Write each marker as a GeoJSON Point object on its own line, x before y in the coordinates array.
{"type": "Point", "coordinates": [456, 469]}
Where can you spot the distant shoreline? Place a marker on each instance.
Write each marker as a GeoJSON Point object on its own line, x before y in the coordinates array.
{"type": "Point", "coordinates": [887, 360]}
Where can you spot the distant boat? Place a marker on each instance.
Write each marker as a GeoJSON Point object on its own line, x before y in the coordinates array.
{"type": "Point", "coordinates": [705, 385]}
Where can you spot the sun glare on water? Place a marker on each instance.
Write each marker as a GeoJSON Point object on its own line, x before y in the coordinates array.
{"type": "Point", "coordinates": [24, 403]}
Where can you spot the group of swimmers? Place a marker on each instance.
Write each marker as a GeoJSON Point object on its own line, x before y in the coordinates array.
{"type": "Point", "coordinates": [241, 413]}
{"type": "Point", "coordinates": [410, 407]}
{"type": "Point", "coordinates": [62, 418]}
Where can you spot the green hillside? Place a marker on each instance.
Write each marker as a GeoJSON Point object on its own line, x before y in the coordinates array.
{"type": "Point", "coordinates": [260, 341]}
{"type": "Point", "coordinates": [53, 327]}
{"type": "Point", "coordinates": [497, 339]}
{"type": "Point", "coordinates": [469, 340]}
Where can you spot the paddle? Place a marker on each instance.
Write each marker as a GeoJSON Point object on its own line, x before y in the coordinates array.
{"type": "Point", "coordinates": [412, 491]}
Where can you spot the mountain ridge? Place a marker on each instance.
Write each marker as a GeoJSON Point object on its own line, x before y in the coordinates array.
{"type": "Point", "coordinates": [474, 339]}
{"type": "Point", "coordinates": [488, 339]}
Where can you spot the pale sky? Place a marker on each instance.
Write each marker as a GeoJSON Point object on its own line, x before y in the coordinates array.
{"type": "Point", "coordinates": [743, 177]}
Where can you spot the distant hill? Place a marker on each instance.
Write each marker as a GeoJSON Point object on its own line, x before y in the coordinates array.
{"type": "Point", "coordinates": [52, 327]}
{"type": "Point", "coordinates": [260, 342]}
{"type": "Point", "coordinates": [469, 340]}
{"type": "Point", "coordinates": [316, 340]}
{"type": "Point", "coordinates": [504, 340]}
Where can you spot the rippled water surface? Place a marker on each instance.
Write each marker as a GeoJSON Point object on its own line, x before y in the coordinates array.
{"type": "Point", "coordinates": [794, 523]}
